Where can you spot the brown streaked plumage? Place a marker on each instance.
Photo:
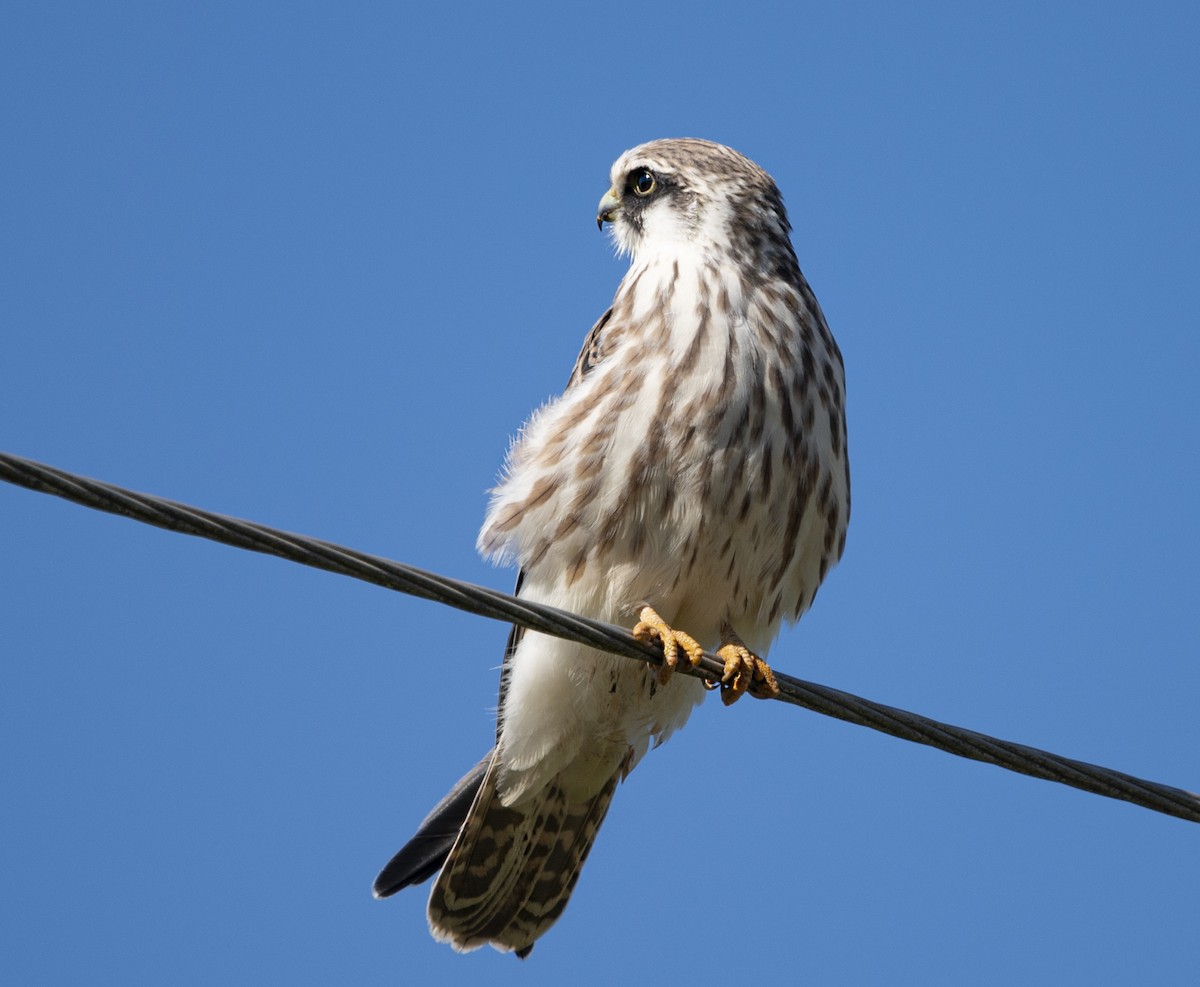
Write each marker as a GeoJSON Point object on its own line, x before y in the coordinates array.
{"type": "Point", "coordinates": [692, 475]}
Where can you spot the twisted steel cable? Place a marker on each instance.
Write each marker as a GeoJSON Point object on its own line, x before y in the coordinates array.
{"type": "Point", "coordinates": [606, 637]}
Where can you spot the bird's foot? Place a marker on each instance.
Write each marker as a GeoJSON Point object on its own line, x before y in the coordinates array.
{"type": "Point", "coordinates": [744, 672]}
{"type": "Point", "coordinates": [650, 626]}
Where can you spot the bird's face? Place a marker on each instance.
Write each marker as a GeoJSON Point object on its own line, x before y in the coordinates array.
{"type": "Point", "coordinates": [651, 203]}
{"type": "Point", "coordinates": [672, 196]}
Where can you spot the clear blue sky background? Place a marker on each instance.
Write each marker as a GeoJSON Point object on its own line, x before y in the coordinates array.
{"type": "Point", "coordinates": [313, 264]}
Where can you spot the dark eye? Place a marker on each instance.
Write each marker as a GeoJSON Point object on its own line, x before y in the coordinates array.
{"type": "Point", "coordinates": [642, 183]}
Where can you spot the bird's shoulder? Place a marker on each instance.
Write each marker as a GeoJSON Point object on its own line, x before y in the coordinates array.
{"type": "Point", "coordinates": [593, 351]}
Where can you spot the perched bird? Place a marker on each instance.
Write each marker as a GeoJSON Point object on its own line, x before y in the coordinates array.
{"type": "Point", "coordinates": [694, 476]}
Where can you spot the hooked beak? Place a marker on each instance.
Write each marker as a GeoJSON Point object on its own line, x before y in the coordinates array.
{"type": "Point", "coordinates": [608, 208]}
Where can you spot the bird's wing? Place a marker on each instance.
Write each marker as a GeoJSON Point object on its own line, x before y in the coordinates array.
{"type": "Point", "coordinates": [423, 855]}
{"type": "Point", "coordinates": [592, 352]}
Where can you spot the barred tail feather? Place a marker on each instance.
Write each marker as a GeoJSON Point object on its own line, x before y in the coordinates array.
{"type": "Point", "coordinates": [512, 869]}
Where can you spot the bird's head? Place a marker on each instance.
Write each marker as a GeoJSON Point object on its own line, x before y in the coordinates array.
{"type": "Point", "coordinates": [679, 195]}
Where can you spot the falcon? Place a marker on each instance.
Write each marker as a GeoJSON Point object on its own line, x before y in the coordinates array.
{"type": "Point", "coordinates": [692, 480]}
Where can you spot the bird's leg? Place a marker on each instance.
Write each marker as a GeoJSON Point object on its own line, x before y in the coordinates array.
{"type": "Point", "coordinates": [744, 671]}
{"type": "Point", "coordinates": [650, 625]}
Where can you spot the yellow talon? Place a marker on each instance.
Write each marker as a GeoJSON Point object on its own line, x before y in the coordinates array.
{"type": "Point", "coordinates": [650, 626]}
{"type": "Point", "coordinates": [744, 672]}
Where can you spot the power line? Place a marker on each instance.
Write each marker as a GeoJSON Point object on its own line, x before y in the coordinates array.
{"type": "Point", "coordinates": [606, 637]}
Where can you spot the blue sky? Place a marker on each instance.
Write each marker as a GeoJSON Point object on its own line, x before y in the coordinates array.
{"type": "Point", "coordinates": [314, 264]}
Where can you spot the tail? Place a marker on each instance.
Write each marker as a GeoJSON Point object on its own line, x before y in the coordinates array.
{"type": "Point", "coordinates": [510, 872]}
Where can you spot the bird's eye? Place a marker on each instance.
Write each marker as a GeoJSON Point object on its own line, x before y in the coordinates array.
{"type": "Point", "coordinates": [642, 183]}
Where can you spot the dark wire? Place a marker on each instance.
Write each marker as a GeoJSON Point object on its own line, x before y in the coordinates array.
{"type": "Point", "coordinates": [572, 627]}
